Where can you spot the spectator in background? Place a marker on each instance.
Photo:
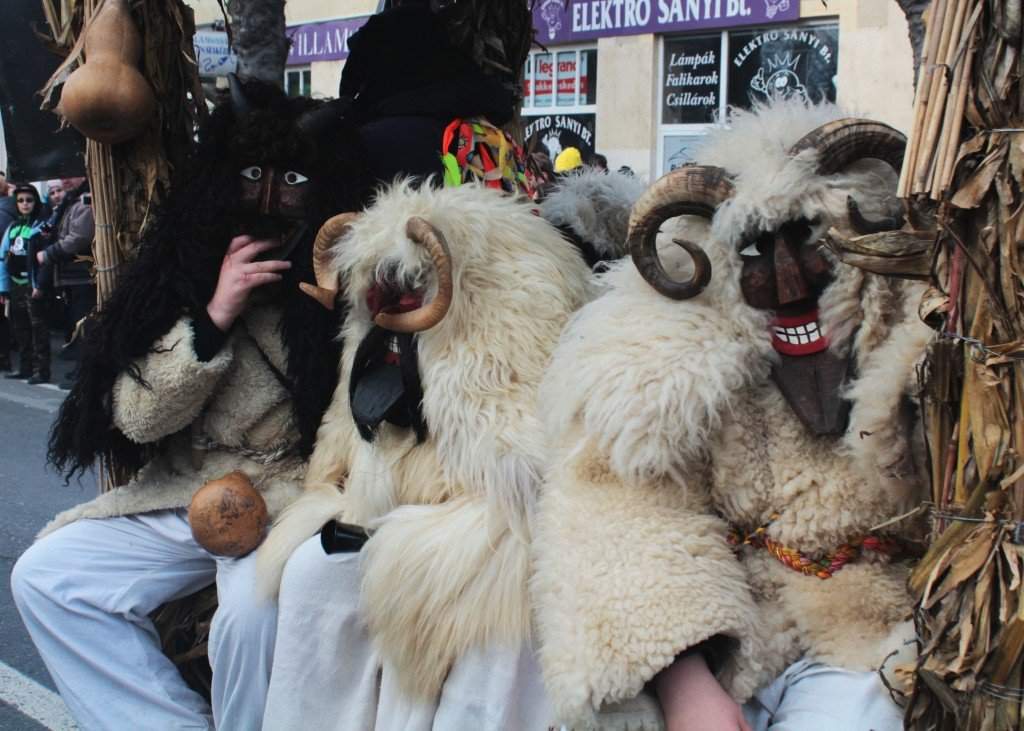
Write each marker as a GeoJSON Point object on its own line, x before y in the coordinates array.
{"type": "Point", "coordinates": [19, 288]}
{"type": "Point", "coordinates": [54, 193]}
{"type": "Point", "coordinates": [74, 229]}
{"type": "Point", "coordinates": [599, 162]}
{"type": "Point", "coordinates": [8, 213]}
{"type": "Point", "coordinates": [542, 174]}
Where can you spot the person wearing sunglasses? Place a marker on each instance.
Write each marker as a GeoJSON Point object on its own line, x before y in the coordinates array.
{"type": "Point", "coordinates": [20, 295]}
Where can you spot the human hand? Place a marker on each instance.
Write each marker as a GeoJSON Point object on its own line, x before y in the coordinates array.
{"type": "Point", "coordinates": [692, 699]}
{"type": "Point", "coordinates": [239, 275]}
{"type": "Point", "coordinates": [3, 299]}
{"type": "Point", "coordinates": [37, 293]}
{"type": "Point", "coordinates": [41, 257]}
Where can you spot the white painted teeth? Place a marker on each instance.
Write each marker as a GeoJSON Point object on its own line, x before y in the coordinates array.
{"type": "Point", "coordinates": [799, 335]}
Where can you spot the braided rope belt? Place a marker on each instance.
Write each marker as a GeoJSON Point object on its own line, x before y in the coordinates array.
{"type": "Point", "coordinates": [824, 567]}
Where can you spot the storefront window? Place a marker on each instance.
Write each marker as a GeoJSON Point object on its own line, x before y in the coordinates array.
{"type": "Point", "coordinates": [704, 75]}
{"type": "Point", "coordinates": [298, 82]}
{"type": "Point", "coordinates": [691, 81]}
{"type": "Point", "coordinates": [563, 79]}
{"type": "Point", "coordinates": [560, 100]}
{"type": "Point", "coordinates": [543, 75]}
{"type": "Point", "coordinates": [783, 62]}
{"type": "Point", "coordinates": [677, 150]}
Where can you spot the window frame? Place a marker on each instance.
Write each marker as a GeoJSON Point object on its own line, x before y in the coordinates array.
{"type": "Point", "coordinates": [554, 108]}
{"type": "Point", "coordinates": [305, 74]}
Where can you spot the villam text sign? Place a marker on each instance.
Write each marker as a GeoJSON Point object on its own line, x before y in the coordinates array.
{"type": "Point", "coordinates": [326, 41]}
{"type": "Point", "coordinates": [558, 22]}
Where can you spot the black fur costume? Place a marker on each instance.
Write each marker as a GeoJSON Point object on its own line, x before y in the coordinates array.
{"type": "Point", "coordinates": [179, 261]}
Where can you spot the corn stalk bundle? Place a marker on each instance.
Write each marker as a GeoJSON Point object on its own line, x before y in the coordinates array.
{"type": "Point", "coordinates": [966, 155]}
{"type": "Point", "coordinates": [129, 179]}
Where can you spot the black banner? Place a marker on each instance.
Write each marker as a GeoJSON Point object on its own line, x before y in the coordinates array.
{"type": "Point", "coordinates": [691, 81]}
{"type": "Point", "coordinates": [37, 149]}
{"type": "Point", "coordinates": [552, 133]}
{"type": "Point", "coordinates": [783, 62]}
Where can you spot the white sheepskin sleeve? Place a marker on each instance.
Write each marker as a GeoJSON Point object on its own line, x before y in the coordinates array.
{"type": "Point", "coordinates": [176, 385]}
{"type": "Point", "coordinates": [631, 567]}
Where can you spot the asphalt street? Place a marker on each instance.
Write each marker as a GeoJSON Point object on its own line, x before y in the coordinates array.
{"type": "Point", "coordinates": [31, 496]}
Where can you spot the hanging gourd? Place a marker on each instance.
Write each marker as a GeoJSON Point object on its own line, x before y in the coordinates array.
{"type": "Point", "coordinates": [106, 98]}
{"type": "Point", "coordinates": [228, 515]}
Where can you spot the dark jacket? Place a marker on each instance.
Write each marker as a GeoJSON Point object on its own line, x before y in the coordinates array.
{"type": "Point", "coordinates": [75, 232]}
{"type": "Point", "coordinates": [8, 211]}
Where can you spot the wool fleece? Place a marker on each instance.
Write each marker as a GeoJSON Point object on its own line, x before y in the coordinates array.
{"type": "Point", "coordinates": [240, 410]}
{"type": "Point", "coordinates": [667, 431]}
{"type": "Point", "coordinates": [447, 565]}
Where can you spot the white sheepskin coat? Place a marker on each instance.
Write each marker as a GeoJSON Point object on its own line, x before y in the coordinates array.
{"type": "Point", "coordinates": [667, 429]}
{"type": "Point", "coordinates": [234, 401]}
{"type": "Point", "coordinates": [447, 565]}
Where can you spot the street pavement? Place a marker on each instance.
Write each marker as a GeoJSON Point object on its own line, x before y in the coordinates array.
{"type": "Point", "coordinates": [31, 495]}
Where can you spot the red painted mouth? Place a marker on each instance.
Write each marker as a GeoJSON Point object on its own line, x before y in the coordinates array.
{"type": "Point", "coordinates": [386, 298]}
{"type": "Point", "coordinates": [798, 334]}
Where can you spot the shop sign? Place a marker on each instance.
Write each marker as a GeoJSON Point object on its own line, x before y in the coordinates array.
{"type": "Point", "coordinates": [552, 133]}
{"type": "Point", "coordinates": [214, 56]}
{"type": "Point", "coordinates": [327, 41]}
{"type": "Point", "coordinates": [691, 81]}
{"type": "Point", "coordinates": [559, 22]}
{"type": "Point", "coordinates": [783, 63]}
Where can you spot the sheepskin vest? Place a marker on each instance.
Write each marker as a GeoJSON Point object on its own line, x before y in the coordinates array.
{"type": "Point", "coordinates": [229, 413]}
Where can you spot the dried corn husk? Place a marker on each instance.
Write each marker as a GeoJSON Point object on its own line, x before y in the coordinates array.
{"type": "Point", "coordinates": [966, 151]}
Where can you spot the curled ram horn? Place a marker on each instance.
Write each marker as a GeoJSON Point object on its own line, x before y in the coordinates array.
{"type": "Point", "coordinates": [423, 233]}
{"type": "Point", "coordinates": [844, 142]}
{"type": "Point", "coordinates": [326, 289]}
{"type": "Point", "coordinates": [693, 190]}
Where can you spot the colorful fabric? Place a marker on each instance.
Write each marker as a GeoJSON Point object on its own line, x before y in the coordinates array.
{"type": "Point", "coordinates": [823, 567]}
{"type": "Point", "coordinates": [476, 150]}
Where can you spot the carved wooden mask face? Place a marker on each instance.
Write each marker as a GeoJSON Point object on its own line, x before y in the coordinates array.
{"type": "Point", "coordinates": [267, 190]}
{"type": "Point", "coordinates": [785, 272]}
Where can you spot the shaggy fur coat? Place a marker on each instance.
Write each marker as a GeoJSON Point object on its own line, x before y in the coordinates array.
{"type": "Point", "coordinates": [447, 565]}
{"type": "Point", "coordinates": [593, 207]}
{"type": "Point", "coordinates": [238, 408]}
{"type": "Point", "coordinates": [667, 430]}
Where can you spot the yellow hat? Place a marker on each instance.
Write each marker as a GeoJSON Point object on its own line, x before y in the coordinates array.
{"type": "Point", "coordinates": [568, 159]}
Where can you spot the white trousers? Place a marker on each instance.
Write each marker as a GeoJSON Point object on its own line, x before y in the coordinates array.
{"type": "Point", "coordinates": [329, 676]}
{"type": "Point", "coordinates": [85, 593]}
{"type": "Point", "coordinates": [809, 696]}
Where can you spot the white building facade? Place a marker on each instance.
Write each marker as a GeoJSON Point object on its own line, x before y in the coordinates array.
{"type": "Point", "coordinates": [641, 80]}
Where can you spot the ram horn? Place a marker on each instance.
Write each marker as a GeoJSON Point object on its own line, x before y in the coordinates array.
{"type": "Point", "coordinates": [845, 141]}
{"type": "Point", "coordinates": [422, 233]}
{"type": "Point", "coordinates": [326, 289]}
{"type": "Point", "coordinates": [693, 190]}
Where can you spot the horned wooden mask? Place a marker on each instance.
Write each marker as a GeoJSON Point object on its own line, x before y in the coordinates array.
{"type": "Point", "coordinates": [783, 270]}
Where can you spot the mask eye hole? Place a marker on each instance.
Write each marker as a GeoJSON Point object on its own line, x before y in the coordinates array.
{"type": "Point", "coordinates": [758, 247]}
{"type": "Point", "coordinates": [293, 178]}
{"type": "Point", "coordinates": [253, 172]}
